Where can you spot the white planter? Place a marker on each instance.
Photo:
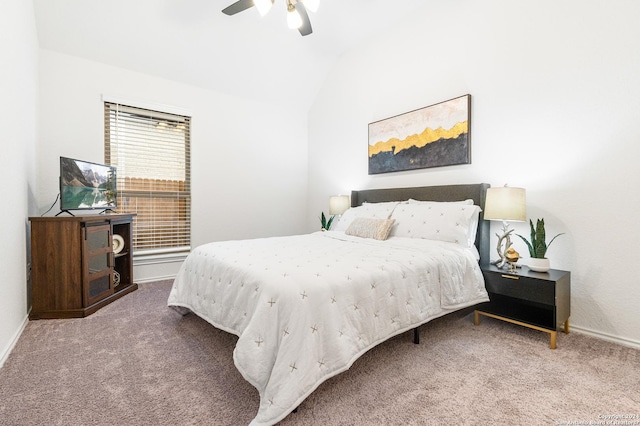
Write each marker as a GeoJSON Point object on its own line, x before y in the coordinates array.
{"type": "Point", "coordinates": [539, 265]}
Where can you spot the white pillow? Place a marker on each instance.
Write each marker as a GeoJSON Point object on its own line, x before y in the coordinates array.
{"type": "Point", "coordinates": [385, 205]}
{"type": "Point", "coordinates": [371, 210]}
{"type": "Point", "coordinates": [473, 229]}
{"type": "Point", "coordinates": [468, 201]}
{"type": "Point", "coordinates": [452, 222]}
{"type": "Point", "coordinates": [367, 227]}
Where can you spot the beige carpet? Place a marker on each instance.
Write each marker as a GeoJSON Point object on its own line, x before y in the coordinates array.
{"type": "Point", "coordinates": [137, 362]}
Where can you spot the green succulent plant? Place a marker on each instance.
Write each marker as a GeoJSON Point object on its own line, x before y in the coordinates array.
{"type": "Point", "coordinates": [326, 224]}
{"type": "Point", "coordinates": [538, 245]}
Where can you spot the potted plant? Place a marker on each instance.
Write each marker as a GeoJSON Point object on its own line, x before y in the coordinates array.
{"type": "Point", "coordinates": [326, 224]}
{"type": "Point", "coordinates": [538, 246]}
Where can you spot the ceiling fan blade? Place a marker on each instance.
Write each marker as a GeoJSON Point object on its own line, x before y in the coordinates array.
{"type": "Point", "coordinates": [238, 6]}
{"type": "Point", "coordinates": [305, 28]}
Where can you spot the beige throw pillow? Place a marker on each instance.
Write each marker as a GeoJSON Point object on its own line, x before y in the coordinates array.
{"type": "Point", "coordinates": [367, 227]}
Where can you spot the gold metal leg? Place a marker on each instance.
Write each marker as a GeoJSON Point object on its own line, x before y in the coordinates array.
{"type": "Point", "coordinates": [552, 343]}
{"type": "Point", "coordinates": [553, 334]}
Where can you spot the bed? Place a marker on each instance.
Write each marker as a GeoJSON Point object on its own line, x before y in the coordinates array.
{"type": "Point", "coordinates": [306, 307]}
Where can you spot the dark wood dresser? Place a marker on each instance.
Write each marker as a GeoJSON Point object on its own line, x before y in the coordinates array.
{"type": "Point", "coordinates": [75, 268]}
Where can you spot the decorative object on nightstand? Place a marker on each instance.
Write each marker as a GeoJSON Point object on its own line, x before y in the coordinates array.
{"type": "Point", "coordinates": [338, 204]}
{"type": "Point", "coordinates": [505, 204]}
{"type": "Point", "coordinates": [541, 301]}
{"type": "Point", "coordinates": [538, 247]}
{"type": "Point", "coordinates": [324, 223]}
{"type": "Point", "coordinates": [512, 257]}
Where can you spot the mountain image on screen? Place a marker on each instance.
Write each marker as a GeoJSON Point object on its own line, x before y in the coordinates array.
{"type": "Point", "coordinates": [86, 185]}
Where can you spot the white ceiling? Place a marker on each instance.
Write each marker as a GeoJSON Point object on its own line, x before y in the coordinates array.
{"type": "Point", "coordinates": [193, 42]}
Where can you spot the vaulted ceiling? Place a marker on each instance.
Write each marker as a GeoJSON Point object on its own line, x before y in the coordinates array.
{"type": "Point", "coordinates": [193, 42]}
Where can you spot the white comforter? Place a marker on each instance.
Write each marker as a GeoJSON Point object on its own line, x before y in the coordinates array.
{"type": "Point", "coordinates": [306, 307]}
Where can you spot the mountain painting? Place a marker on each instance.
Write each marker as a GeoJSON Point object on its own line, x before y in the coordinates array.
{"type": "Point", "coordinates": [433, 136]}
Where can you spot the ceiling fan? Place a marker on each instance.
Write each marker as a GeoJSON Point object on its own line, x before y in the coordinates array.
{"type": "Point", "coordinates": [297, 16]}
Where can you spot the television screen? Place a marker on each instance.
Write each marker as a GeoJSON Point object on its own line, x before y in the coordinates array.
{"type": "Point", "coordinates": [85, 185]}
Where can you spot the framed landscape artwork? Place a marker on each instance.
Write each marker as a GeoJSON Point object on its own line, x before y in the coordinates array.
{"type": "Point", "coordinates": [433, 136]}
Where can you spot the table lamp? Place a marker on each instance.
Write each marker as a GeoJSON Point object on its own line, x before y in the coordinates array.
{"type": "Point", "coordinates": [505, 204]}
{"type": "Point", "coordinates": [338, 204]}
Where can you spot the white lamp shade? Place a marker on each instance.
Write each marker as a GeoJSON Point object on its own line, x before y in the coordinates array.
{"type": "Point", "coordinates": [506, 203]}
{"type": "Point", "coordinates": [338, 204]}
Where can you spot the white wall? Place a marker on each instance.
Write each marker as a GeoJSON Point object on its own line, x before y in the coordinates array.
{"type": "Point", "coordinates": [555, 104]}
{"type": "Point", "coordinates": [248, 159]}
{"type": "Point", "coordinates": [18, 86]}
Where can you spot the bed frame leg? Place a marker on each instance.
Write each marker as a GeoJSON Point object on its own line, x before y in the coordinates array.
{"type": "Point", "coordinates": [416, 336]}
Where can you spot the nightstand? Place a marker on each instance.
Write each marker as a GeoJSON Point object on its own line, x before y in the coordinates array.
{"type": "Point", "coordinates": [538, 300]}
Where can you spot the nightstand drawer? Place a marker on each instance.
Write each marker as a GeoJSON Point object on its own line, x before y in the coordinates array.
{"type": "Point", "coordinates": [523, 288]}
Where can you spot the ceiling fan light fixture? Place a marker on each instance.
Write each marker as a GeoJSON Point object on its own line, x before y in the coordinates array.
{"type": "Point", "coordinates": [294, 20]}
{"type": "Point", "coordinates": [263, 6]}
{"type": "Point", "coordinates": [312, 5]}
{"type": "Point", "coordinates": [297, 16]}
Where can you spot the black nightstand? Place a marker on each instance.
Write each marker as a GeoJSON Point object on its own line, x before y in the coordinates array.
{"type": "Point", "coordinates": [538, 300]}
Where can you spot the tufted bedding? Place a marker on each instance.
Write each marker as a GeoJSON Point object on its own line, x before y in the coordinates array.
{"type": "Point", "coordinates": [306, 307]}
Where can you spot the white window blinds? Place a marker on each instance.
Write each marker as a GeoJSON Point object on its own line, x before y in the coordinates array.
{"type": "Point", "coordinates": [151, 152]}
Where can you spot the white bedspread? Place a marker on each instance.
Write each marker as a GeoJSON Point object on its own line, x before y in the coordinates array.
{"type": "Point", "coordinates": [306, 307]}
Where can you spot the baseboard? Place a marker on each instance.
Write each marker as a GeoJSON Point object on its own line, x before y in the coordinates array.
{"type": "Point", "coordinates": [5, 354]}
{"type": "Point", "coordinates": [605, 336]}
{"type": "Point", "coordinates": [154, 279]}
{"type": "Point", "coordinates": [156, 269]}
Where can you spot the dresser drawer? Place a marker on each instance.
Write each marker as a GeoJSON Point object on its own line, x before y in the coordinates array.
{"type": "Point", "coordinates": [523, 288]}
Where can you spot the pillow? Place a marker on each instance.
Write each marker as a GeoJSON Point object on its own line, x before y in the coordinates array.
{"type": "Point", "coordinates": [467, 202]}
{"type": "Point", "coordinates": [371, 210]}
{"type": "Point", "coordinates": [451, 222]}
{"type": "Point", "coordinates": [379, 210]}
{"type": "Point", "coordinates": [367, 227]}
{"type": "Point", "coordinates": [473, 229]}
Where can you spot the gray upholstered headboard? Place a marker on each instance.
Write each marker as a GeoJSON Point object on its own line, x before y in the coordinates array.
{"type": "Point", "coordinates": [477, 192]}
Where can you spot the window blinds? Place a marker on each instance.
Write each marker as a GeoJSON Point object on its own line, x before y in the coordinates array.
{"type": "Point", "coordinates": [151, 152]}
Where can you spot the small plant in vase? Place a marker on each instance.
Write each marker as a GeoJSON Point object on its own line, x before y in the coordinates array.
{"type": "Point", "coordinates": [326, 224]}
{"type": "Point", "coordinates": [538, 246]}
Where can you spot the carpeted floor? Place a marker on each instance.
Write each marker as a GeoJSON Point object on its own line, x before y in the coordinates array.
{"type": "Point", "coordinates": [137, 362]}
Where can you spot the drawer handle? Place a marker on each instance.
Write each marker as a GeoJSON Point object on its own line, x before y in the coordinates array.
{"type": "Point", "coordinates": [513, 277]}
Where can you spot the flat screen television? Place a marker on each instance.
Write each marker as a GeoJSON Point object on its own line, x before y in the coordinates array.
{"type": "Point", "coordinates": [86, 186]}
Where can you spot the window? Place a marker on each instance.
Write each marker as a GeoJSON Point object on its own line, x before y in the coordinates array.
{"type": "Point", "coordinates": [151, 152]}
